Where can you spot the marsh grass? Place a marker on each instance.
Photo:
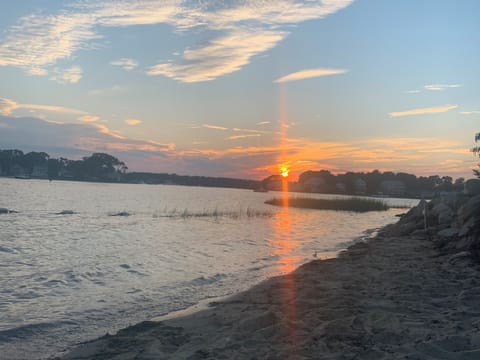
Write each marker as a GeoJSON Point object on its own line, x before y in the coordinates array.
{"type": "Point", "coordinates": [216, 214]}
{"type": "Point", "coordinates": [352, 204]}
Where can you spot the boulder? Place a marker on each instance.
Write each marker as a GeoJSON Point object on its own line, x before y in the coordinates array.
{"type": "Point", "coordinates": [444, 214]}
{"type": "Point", "coordinates": [467, 227]}
{"type": "Point", "coordinates": [445, 218]}
{"type": "Point", "coordinates": [472, 187]}
{"type": "Point", "coordinates": [414, 213]}
{"type": "Point", "coordinates": [407, 229]}
{"type": "Point", "coordinates": [450, 233]}
{"type": "Point", "coordinates": [446, 237]}
{"type": "Point", "coordinates": [440, 208]}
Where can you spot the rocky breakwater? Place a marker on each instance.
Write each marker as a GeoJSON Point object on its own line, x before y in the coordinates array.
{"type": "Point", "coordinates": [451, 221]}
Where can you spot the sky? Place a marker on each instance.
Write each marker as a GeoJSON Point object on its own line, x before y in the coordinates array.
{"type": "Point", "coordinates": [241, 88]}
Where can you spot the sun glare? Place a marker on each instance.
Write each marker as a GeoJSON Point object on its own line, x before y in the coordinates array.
{"type": "Point", "coordinates": [284, 171]}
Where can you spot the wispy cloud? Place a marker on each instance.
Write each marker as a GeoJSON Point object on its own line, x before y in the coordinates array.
{"type": "Point", "coordinates": [472, 112]}
{"type": "Point", "coordinates": [133, 122]}
{"type": "Point", "coordinates": [214, 127]}
{"type": "Point", "coordinates": [237, 31]}
{"type": "Point", "coordinates": [114, 90]}
{"type": "Point", "coordinates": [310, 73]}
{"type": "Point", "coordinates": [7, 106]}
{"type": "Point", "coordinates": [222, 56]}
{"type": "Point", "coordinates": [35, 71]}
{"type": "Point", "coordinates": [251, 131]}
{"type": "Point", "coordinates": [424, 111]}
{"type": "Point", "coordinates": [105, 130]}
{"type": "Point", "coordinates": [125, 64]}
{"type": "Point", "coordinates": [261, 123]}
{"type": "Point", "coordinates": [89, 118]}
{"type": "Point", "coordinates": [40, 40]}
{"type": "Point", "coordinates": [236, 137]}
{"type": "Point", "coordinates": [441, 87]}
{"type": "Point", "coordinates": [412, 91]}
{"type": "Point", "coordinates": [71, 75]}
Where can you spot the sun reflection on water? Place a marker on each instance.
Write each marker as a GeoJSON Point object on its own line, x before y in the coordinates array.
{"type": "Point", "coordinates": [284, 250]}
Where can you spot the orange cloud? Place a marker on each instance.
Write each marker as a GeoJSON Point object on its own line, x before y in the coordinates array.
{"type": "Point", "coordinates": [236, 137]}
{"type": "Point", "coordinates": [310, 73]}
{"type": "Point", "coordinates": [133, 122]}
{"type": "Point", "coordinates": [214, 127]}
{"type": "Point", "coordinates": [89, 118]}
{"type": "Point", "coordinates": [424, 111]}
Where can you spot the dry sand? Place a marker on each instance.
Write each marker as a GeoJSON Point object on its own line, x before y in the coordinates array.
{"type": "Point", "coordinates": [391, 298]}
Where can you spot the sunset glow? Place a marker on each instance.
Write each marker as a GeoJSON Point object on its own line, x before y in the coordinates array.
{"type": "Point", "coordinates": [228, 80]}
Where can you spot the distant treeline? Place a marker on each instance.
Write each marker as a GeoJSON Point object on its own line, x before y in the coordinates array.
{"type": "Point", "coordinates": [371, 183]}
{"type": "Point", "coordinates": [107, 168]}
{"type": "Point", "coordinates": [97, 167]}
{"type": "Point", "coordinates": [100, 167]}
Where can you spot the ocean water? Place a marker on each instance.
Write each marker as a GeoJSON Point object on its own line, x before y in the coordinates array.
{"type": "Point", "coordinates": [70, 277]}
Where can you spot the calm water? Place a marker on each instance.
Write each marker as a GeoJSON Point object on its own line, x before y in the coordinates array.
{"type": "Point", "coordinates": [70, 278]}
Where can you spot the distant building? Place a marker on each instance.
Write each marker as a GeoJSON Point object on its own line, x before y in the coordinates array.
{"type": "Point", "coordinates": [40, 171]}
{"type": "Point", "coordinates": [17, 170]}
{"type": "Point", "coordinates": [340, 187]}
{"type": "Point", "coordinates": [393, 187]}
{"type": "Point", "coordinates": [360, 186]}
{"type": "Point", "coordinates": [315, 185]}
{"type": "Point", "coordinates": [114, 176]}
{"type": "Point", "coordinates": [65, 174]}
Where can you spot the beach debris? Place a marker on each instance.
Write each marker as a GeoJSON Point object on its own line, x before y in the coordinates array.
{"type": "Point", "coordinates": [7, 211]}
{"type": "Point", "coordinates": [121, 213]}
{"type": "Point", "coordinates": [65, 212]}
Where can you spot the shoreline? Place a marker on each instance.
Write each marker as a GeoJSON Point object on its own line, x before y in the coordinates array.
{"type": "Point", "coordinates": [403, 294]}
{"type": "Point", "coordinates": [392, 297]}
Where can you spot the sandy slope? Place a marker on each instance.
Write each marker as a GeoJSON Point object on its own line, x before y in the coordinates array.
{"type": "Point", "coordinates": [393, 298]}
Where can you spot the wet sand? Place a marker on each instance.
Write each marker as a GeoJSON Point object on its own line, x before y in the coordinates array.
{"type": "Point", "coordinates": [395, 297]}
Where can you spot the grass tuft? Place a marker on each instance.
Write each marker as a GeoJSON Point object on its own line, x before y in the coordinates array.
{"type": "Point", "coordinates": [352, 204]}
{"type": "Point", "coordinates": [215, 214]}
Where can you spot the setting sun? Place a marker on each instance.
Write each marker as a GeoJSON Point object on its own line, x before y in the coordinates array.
{"type": "Point", "coordinates": [284, 171]}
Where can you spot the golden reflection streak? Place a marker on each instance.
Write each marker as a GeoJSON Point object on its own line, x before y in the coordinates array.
{"type": "Point", "coordinates": [284, 244]}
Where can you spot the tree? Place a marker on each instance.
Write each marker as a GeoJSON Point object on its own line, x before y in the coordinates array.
{"type": "Point", "coordinates": [101, 165]}
{"type": "Point", "coordinates": [8, 158]}
{"type": "Point", "coordinates": [476, 151]}
{"type": "Point", "coordinates": [54, 166]}
{"type": "Point", "coordinates": [33, 158]}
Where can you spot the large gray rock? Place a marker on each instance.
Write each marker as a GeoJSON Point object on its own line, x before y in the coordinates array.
{"type": "Point", "coordinates": [472, 187]}
{"type": "Point", "coordinates": [450, 233]}
{"type": "Point", "coordinates": [414, 213]}
{"type": "Point", "coordinates": [441, 208]}
{"type": "Point", "coordinates": [445, 218]}
{"type": "Point", "coordinates": [467, 227]}
{"type": "Point", "coordinates": [446, 237]}
{"type": "Point", "coordinates": [444, 213]}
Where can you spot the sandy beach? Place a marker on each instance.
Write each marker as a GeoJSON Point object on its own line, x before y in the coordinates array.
{"type": "Point", "coordinates": [395, 297]}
